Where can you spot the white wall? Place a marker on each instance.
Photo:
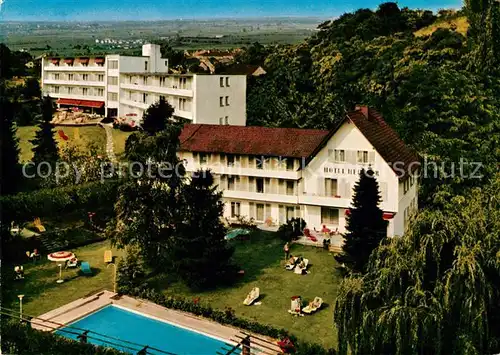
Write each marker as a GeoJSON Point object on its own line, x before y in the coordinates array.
{"type": "Point", "coordinates": [207, 91]}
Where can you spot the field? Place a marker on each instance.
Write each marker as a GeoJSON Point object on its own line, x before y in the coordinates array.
{"type": "Point", "coordinates": [261, 257]}
{"type": "Point", "coordinates": [73, 38]}
{"type": "Point", "coordinates": [82, 137]}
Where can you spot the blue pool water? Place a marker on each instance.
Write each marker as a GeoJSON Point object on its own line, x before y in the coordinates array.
{"type": "Point", "coordinates": [116, 322]}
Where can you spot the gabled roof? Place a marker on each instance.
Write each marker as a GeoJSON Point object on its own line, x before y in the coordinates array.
{"type": "Point", "coordinates": [298, 143]}
{"type": "Point", "coordinates": [384, 139]}
{"type": "Point", "coordinates": [244, 140]}
{"type": "Point", "coordinates": [244, 69]}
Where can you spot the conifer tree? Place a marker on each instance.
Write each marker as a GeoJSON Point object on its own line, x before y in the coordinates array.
{"type": "Point", "coordinates": [157, 116]}
{"type": "Point", "coordinates": [366, 227]}
{"type": "Point", "coordinates": [45, 146]}
{"type": "Point", "coordinates": [202, 255]}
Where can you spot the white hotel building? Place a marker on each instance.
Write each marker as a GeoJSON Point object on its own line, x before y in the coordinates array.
{"type": "Point", "coordinates": [117, 86]}
{"type": "Point", "coordinates": [279, 173]}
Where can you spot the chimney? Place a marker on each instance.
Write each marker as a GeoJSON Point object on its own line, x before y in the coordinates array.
{"type": "Point", "coordinates": [364, 110]}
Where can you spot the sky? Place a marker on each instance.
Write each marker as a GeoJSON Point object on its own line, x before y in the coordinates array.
{"type": "Point", "coordinates": [115, 10]}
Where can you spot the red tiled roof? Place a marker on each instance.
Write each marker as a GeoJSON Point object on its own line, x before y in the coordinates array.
{"type": "Point", "coordinates": [280, 142]}
{"type": "Point", "coordinates": [242, 69]}
{"type": "Point", "coordinates": [385, 140]}
{"type": "Point", "coordinates": [84, 103]}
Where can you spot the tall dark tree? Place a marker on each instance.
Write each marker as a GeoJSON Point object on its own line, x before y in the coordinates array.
{"type": "Point", "coordinates": [150, 206]}
{"type": "Point", "coordinates": [202, 256]}
{"type": "Point", "coordinates": [10, 170]}
{"type": "Point", "coordinates": [366, 227]}
{"type": "Point", "coordinates": [157, 116]}
{"type": "Point", "coordinates": [44, 145]}
{"type": "Point", "coordinates": [31, 88]}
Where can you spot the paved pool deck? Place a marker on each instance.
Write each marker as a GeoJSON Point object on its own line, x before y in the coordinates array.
{"type": "Point", "coordinates": [82, 307]}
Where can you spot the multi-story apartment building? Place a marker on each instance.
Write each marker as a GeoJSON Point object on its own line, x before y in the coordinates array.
{"type": "Point", "coordinates": [280, 173]}
{"type": "Point", "coordinates": [118, 85]}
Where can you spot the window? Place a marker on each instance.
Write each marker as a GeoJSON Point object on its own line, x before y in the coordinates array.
{"type": "Point", "coordinates": [221, 101]}
{"type": "Point", "coordinates": [226, 120]}
{"type": "Point", "coordinates": [221, 82]}
{"type": "Point", "coordinates": [56, 76]}
{"type": "Point", "coordinates": [70, 90]}
{"type": "Point", "coordinates": [146, 65]}
{"type": "Point", "coordinates": [339, 155]}
{"type": "Point", "coordinates": [144, 80]}
{"type": "Point", "coordinates": [56, 89]}
{"type": "Point", "coordinates": [112, 96]}
{"type": "Point", "coordinates": [221, 120]}
{"type": "Point", "coordinates": [100, 92]}
{"type": "Point", "coordinates": [230, 160]}
{"type": "Point", "coordinates": [289, 164]}
{"type": "Point", "coordinates": [163, 81]}
{"type": "Point", "coordinates": [130, 79]}
{"type": "Point", "coordinates": [203, 158]}
{"type": "Point", "coordinates": [85, 91]}
{"type": "Point", "coordinates": [113, 64]}
{"type": "Point", "coordinates": [163, 98]}
{"type": "Point", "coordinates": [112, 80]}
{"type": "Point", "coordinates": [235, 209]}
{"type": "Point", "coordinates": [227, 81]}
{"type": "Point", "coordinates": [129, 94]}
{"type": "Point", "coordinates": [329, 215]}
{"type": "Point", "coordinates": [85, 77]}
{"type": "Point", "coordinates": [231, 183]}
{"type": "Point", "coordinates": [182, 104]}
{"type": "Point", "coordinates": [100, 77]}
{"type": "Point", "coordinates": [166, 63]}
{"type": "Point", "coordinates": [260, 212]}
{"type": "Point", "coordinates": [260, 162]}
{"type": "Point", "coordinates": [182, 83]}
{"type": "Point", "coordinates": [289, 188]}
{"type": "Point", "coordinates": [259, 185]}
{"type": "Point", "coordinates": [71, 77]}
{"type": "Point", "coordinates": [145, 98]}
{"type": "Point", "coordinates": [362, 156]}
{"type": "Point", "coordinates": [227, 100]}
{"type": "Point", "coordinates": [331, 187]}
{"type": "Point", "coordinates": [290, 213]}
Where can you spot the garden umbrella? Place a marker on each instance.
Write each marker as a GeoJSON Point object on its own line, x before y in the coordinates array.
{"type": "Point", "coordinates": [60, 257]}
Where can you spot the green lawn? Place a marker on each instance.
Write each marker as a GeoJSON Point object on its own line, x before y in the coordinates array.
{"type": "Point", "coordinates": [82, 137]}
{"type": "Point", "coordinates": [262, 259]}
{"type": "Point", "coordinates": [42, 293]}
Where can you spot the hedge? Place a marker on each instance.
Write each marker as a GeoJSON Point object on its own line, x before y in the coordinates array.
{"type": "Point", "coordinates": [49, 203]}
{"type": "Point", "coordinates": [228, 317]}
{"type": "Point", "coordinates": [21, 339]}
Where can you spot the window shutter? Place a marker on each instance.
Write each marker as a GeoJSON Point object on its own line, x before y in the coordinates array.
{"type": "Point", "coordinates": [331, 156]}
{"type": "Point", "coordinates": [371, 157]}
{"type": "Point", "coordinates": [223, 182]}
{"type": "Point", "coordinates": [321, 186]}
{"type": "Point", "coordinates": [267, 188]}
{"type": "Point", "coordinates": [351, 156]}
{"type": "Point", "coordinates": [251, 184]}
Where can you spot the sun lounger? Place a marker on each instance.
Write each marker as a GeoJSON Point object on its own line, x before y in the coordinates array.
{"type": "Point", "coordinates": [296, 306]}
{"type": "Point", "coordinates": [252, 296]}
{"type": "Point", "coordinates": [313, 306]}
{"type": "Point", "coordinates": [38, 225]}
{"type": "Point", "coordinates": [301, 270]}
{"type": "Point", "coordinates": [290, 266]}
{"type": "Point", "coordinates": [85, 267]}
{"type": "Point", "coordinates": [108, 256]}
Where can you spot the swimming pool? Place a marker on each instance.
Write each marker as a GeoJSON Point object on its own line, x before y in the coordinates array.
{"type": "Point", "coordinates": [117, 322]}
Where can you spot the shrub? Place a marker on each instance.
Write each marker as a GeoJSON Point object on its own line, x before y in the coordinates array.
{"type": "Point", "coordinates": [292, 229]}
{"type": "Point", "coordinates": [50, 203]}
{"type": "Point", "coordinates": [130, 271]}
{"type": "Point", "coordinates": [20, 338]}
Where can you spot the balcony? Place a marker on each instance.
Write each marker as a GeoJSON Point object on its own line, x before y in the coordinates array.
{"type": "Point", "coordinates": [267, 197]}
{"type": "Point", "coordinates": [73, 82]}
{"type": "Point", "coordinates": [133, 103]}
{"type": "Point", "coordinates": [222, 168]}
{"type": "Point", "coordinates": [73, 96]}
{"type": "Point", "coordinates": [90, 68]}
{"type": "Point", "coordinates": [323, 200]}
{"type": "Point", "coordinates": [158, 89]}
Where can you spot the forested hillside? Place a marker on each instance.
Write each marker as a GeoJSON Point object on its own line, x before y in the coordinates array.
{"type": "Point", "coordinates": [435, 290]}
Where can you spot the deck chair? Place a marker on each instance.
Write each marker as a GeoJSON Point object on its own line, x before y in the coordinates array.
{"type": "Point", "coordinates": [301, 270]}
{"type": "Point", "coordinates": [252, 296]}
{"type": "Point", "coordinates": [85, 267]}
{"type": "Point", "coordinates": [108, 256]}
{"type": "Point", "coordinates": [313, 306]}
{"type": "Point", "coordinates": [72, 263]}
{"type": "Point", "coordinates": [38, 225]}
{"type": "Point", "coordinates": [296, 306]}
{"type": "Point", "coordinates": [291, 266]}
